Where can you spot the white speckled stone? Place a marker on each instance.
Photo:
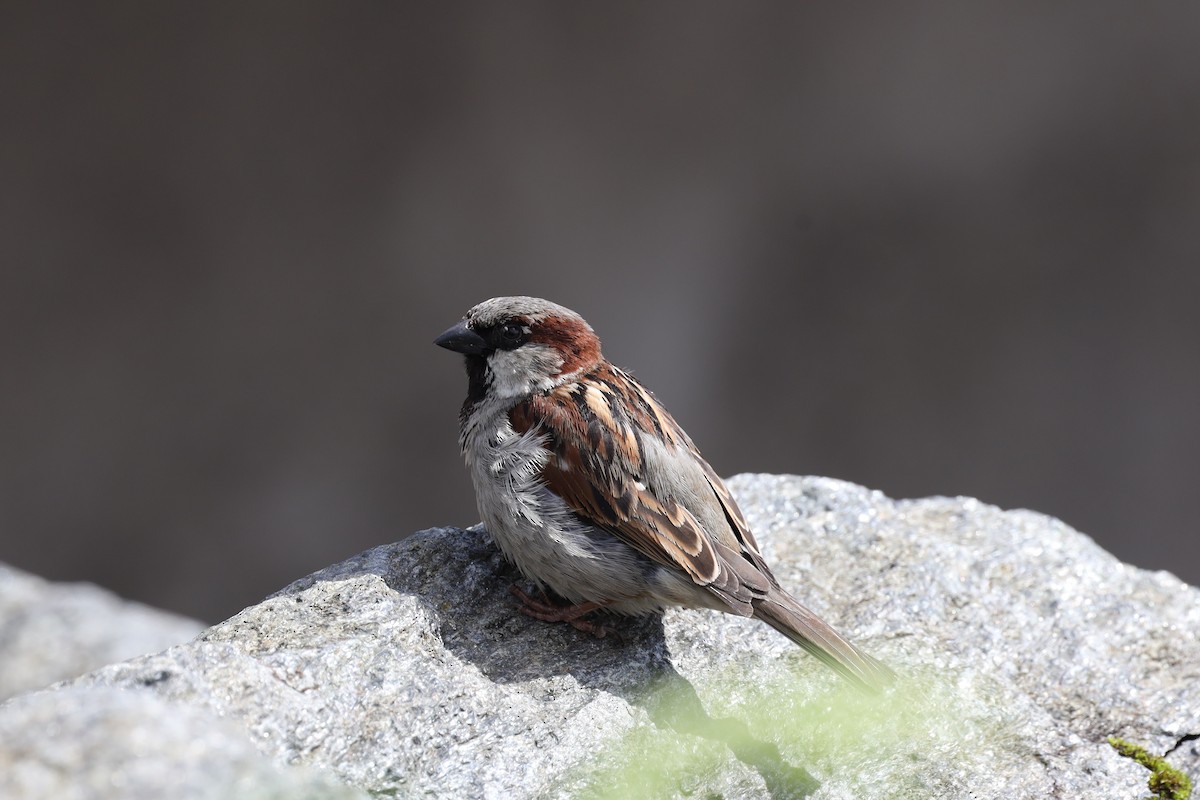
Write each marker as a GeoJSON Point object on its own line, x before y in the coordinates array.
{"type": "Point", "coordinates": [404, 671]}
{"type": "Point", "coordinates": [80, 744]}
{"type": "Point", "coordinates": [53, 631]}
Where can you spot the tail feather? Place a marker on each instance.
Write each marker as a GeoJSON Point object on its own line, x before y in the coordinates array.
{"type": "Point", "coordinates": [786, 615]}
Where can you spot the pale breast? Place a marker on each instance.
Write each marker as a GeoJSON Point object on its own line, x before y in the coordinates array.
{"type": "Point", "coordinates": [541, 535]}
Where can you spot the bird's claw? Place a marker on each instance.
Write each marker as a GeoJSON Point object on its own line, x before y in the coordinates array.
{"type": "Point", "coordinates": [572, 613]}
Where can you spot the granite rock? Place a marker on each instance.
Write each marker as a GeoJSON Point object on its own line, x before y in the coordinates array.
{"type": "Point", "coordinates": [53, 631]}
{"type": "Point", "coordinates": [80, 744]}
{"type": "Point", "coordinates": [404, 671]}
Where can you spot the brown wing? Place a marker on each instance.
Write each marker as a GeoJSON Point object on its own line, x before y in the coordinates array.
{"type": "Point", "coordinates": [598, 430]}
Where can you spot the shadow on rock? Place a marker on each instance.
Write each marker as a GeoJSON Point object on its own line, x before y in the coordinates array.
{"type": "Point", "coordinates": [462, 578]}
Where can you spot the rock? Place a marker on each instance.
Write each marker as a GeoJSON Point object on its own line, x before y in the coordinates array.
{"type": "Point", "coordinates": [109, 743]}
{"type": "Point", "coordinates": [53, 631]}
{"type": "Point", "coordinates": [404, 671]}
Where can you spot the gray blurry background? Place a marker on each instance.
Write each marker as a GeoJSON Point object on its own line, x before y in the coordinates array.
{"type": "Point", "coordinates": [933, 249]}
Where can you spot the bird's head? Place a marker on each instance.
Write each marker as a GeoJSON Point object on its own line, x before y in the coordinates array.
{"type": "Point", "coordinates": [518, 346]}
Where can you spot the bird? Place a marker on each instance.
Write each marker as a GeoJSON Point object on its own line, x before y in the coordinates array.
{"type": "Point", "coordinates": [594, 492]}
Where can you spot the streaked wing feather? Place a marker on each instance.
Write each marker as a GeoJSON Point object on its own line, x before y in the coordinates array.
{"type": "Point", "coordinates": [605, 483]}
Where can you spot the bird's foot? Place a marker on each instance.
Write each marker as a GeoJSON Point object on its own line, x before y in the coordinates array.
{"type": "Point", "coordinates": [572, 613]}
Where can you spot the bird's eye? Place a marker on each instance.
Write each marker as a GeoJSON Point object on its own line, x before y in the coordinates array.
{"type": "Point", "coordinates": [512, 334]}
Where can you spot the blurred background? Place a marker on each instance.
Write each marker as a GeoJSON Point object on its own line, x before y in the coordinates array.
{"type": "Point", "coordinates": [929, 248]}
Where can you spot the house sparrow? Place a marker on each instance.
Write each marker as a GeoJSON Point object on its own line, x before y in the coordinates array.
{"type": "Point", "coordinates": [592, 490]}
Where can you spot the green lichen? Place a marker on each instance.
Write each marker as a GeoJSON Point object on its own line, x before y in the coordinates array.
{"type": "Point", "coordinates": [1165, 781]}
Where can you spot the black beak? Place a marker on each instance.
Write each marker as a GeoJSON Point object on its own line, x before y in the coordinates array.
{"type": "Point", "coordinates": [462, 339]}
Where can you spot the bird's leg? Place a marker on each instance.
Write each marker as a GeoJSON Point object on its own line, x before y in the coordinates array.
{"type": "Point", "coordinates": [571, 613]}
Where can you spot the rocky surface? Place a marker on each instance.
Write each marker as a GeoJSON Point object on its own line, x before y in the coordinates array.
{"type": "Point", "coordinates": [405, 672]}
{"type": "Point", "coordinates": [53, 631]}
{"type": "Point", "coordinates": [100, 743]}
